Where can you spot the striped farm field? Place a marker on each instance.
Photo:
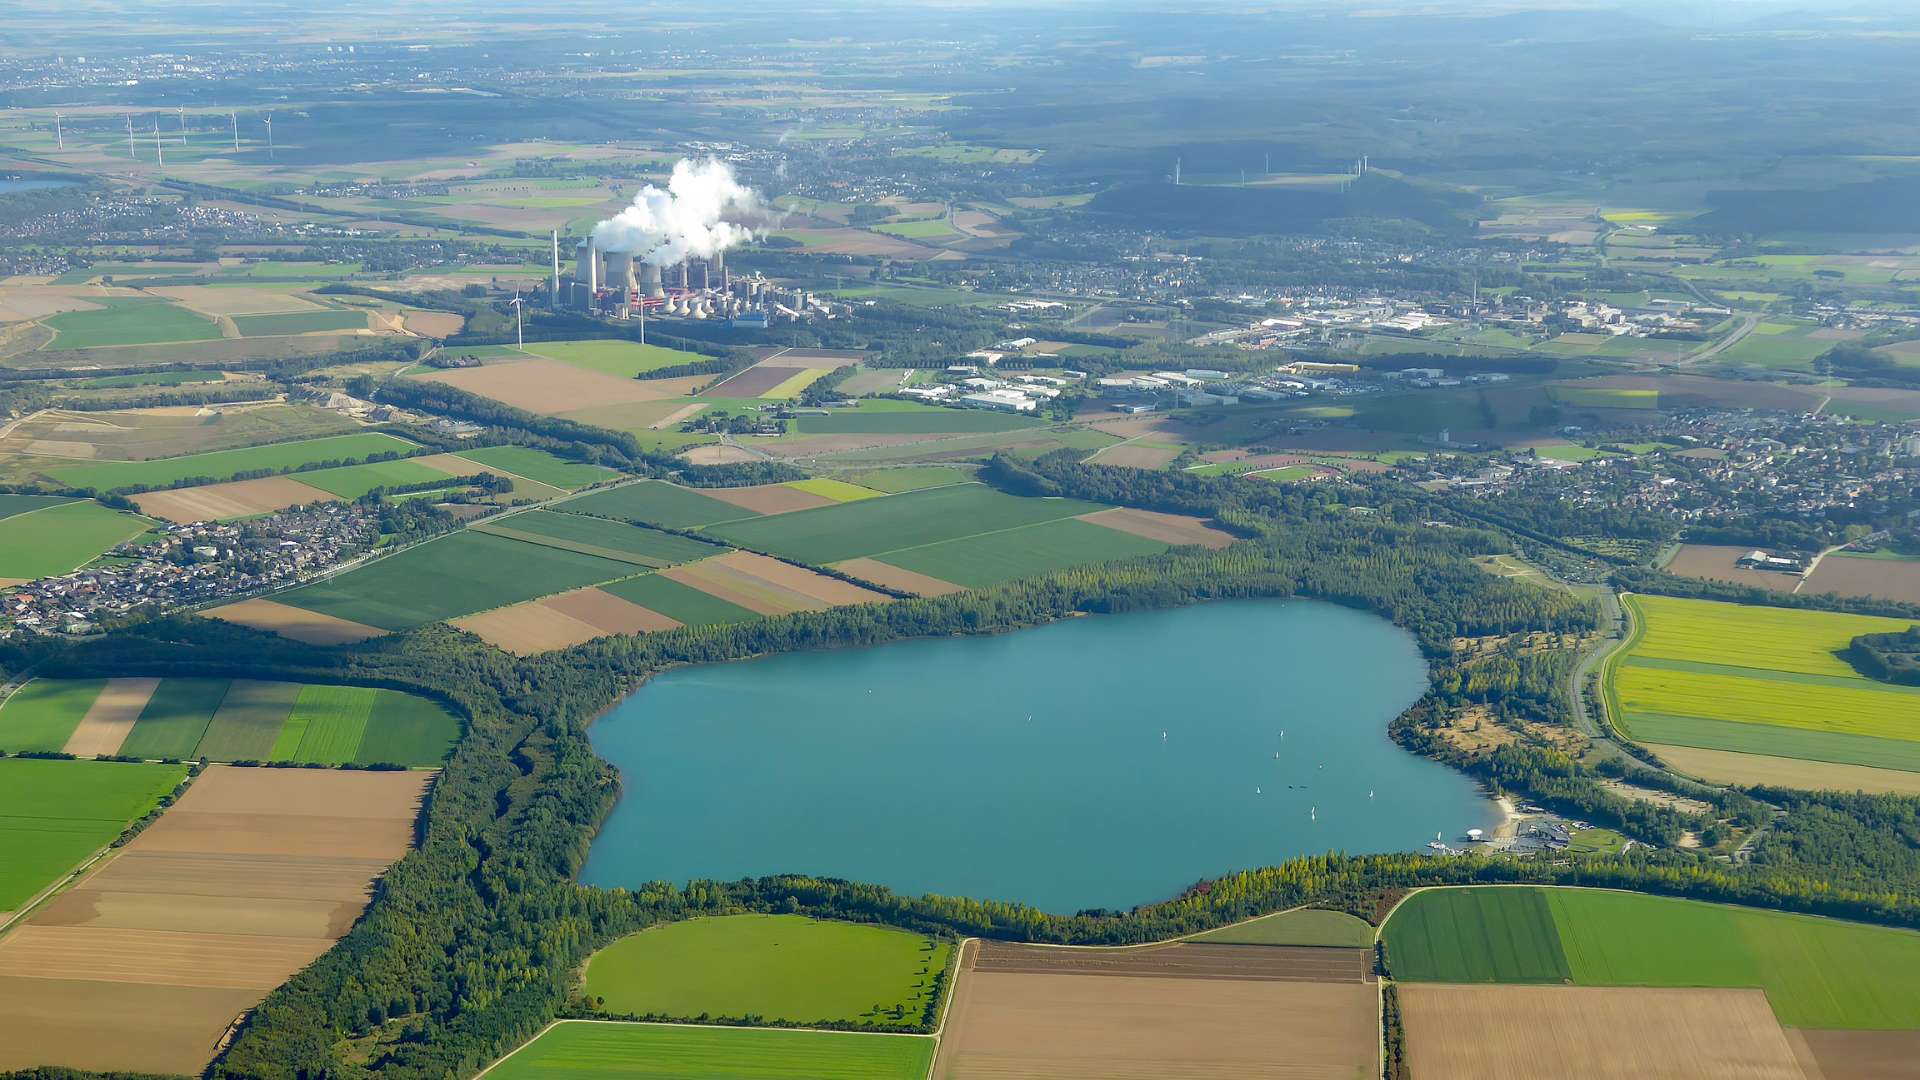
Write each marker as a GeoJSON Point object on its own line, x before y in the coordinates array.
{"type": "Point", "coordinates": [583, 1048]}
{"type": "Point", "coordinates": [600, 536]}
{"type": "Point", "coordinates": [540, 466]}
{"type": "Point", "coordinates": [1760, 680]}
{"type": "Point", "coordinates": [227, 720]}
{"type": "Point", "coordinates": [683, 604]}
{"type": "Point", "coordinates": [1817, 972]}
{"type": "Point", "coordinates": [225, 464]}
{"type": "Point", "coordinates": [53, 814]}
{"type": "Point", "coordinates": [656, 502]}
{"type": "Point", "coordinates": [998, 557]}
{"type": "Point", "coordinates": [872, 526]}
{"type": "Point", "coordinates": [354, 481]}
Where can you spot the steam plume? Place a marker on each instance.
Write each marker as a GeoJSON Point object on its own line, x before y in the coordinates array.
{"type": "Point", "coordinates": [664, 227]}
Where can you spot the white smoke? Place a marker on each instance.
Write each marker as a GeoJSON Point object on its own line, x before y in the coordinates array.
{"type": "Point", "coordinates": [698, 215]}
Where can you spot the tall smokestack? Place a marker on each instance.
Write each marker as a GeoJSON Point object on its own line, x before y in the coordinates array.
{"type": "Point", "coordinates": [683, 273]}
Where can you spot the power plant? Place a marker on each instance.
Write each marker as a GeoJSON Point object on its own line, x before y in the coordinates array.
{"type": "Point", "coordinates": [616, 285]}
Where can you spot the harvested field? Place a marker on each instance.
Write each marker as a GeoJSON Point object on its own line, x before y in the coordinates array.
{"type": "Point", "coordinates": [111, 717]}
{"type": "Point", "coordinates": [1888, 579]}
{"type": "Point", "coordinates": [1856, 1055]}
{"type": "Point", "coordinates": [1183, 960]}
{"type": "Point", "coordinates": [1136, 456]}
{"type": "Point", "coordinates": [299, 624]}
{"type": "Point", "coordinates": [769, 586]}
{"type": "Point", "coordinates": [1075, 1027]}
{"type": "Point", "coordinates": [436, 324]}
{"type": "Point", "coordinates": [1728, 767]}
{"type": "Point", "coordinates": [894, 577]}
{"type": "Point", "coordinates": [219, 300]}
{"type": "Point", "coordinates": [717, 455]}
{"type": "Point", "coordinates": [244, 881]}
{"type": "Point", "coordinates": [1167, 528]}
{"type": "Point", "coordinates": [1306, 926]}
{"type": "Point", "coordinates": [1491, 1032]}
{"type": "Point", "coordinates": [550, 386]}
{"type": "Point", "coordinates": [769, 498]}
{"type": "Point", "coordinates": [557, 622]}
{"type": "Point", "coordinates": [1715, 562]}
{"type": "Point", "coordinates": [754, 381]}
{"type": "Point", "coordinates": [240, 498]}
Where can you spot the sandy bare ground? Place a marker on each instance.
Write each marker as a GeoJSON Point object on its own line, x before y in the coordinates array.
{"type": "Point", "coordinates": [1525, 1032]}
{"type": "Point", "coordinates": [199, 913]}
{"type": "Point", "coordinates": [1727, 767]}
{"type": "Point", "coordinates": [678, 415]}
{"type": "Point", "coordinates": [249, 877]}
{"type": "Point", "coordinates": [1715, 562]}
{"type": "Point", "coordinates": [717, 455]}
{"type": "Point", "coordinates": [237, 300]}
{"type": "Point", "coordinates": [1078, 1027]}
{"type": "Point", "coordinates": [549, 386]}
{"type": "Point", "coordinates": [768, 498]}
{"type": "Point", "coordinates": [1856, 1055]}
{"type": "Point", "coordinates": [240, 498]}
{"type": "Point", "coordinates": [1887, 579]}
{"type": "Point", "coordinates": [110, 718]}
{"type": "Point", "coordinates": [557, 622]}
{"type": "Point", "coordinates": [1658, 798]}
{"type": "Point", "coordinates": [291, 622]}
{"type": "Point", "coordinates": [385, 797]}
{"type": "Point", "coordinates": [1183, 960]}
{"type": "Point", "coordinates": [434, 324]}
{"type": "Point", "coordinates": [157, 957]}
{"type": "Point", "coordinates": [1166, 528]}
{"type": "Point", "coordinates": [303, 835]}
{"type": "Point", "coordinates": [1135, 456]}
{"type": "Point", "coordinates": [19, 303]}
{"type": "Point", "coordinates": [113, 1025]}
{"type": "Point", "coordinates": [893, 577]}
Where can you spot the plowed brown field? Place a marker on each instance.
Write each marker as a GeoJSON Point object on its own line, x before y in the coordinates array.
{"type": "Point", "coordinates": [894, 577]}
{"type": "Point", "coordinates": [556, 622]}
{"type": "Point", "coordinates": [1888, 579]}
{"type": "Point", "coordinates": [1014, 1024]}
{"type": "Point", "coordinates": [110, 717]}
{"type": "Point", "coordinates": [768, 586]}
{"type": "Point", "coordinates": [768, 498]}
{"type": "Point", "coordinates": [1525, 1032]}
{"type": "Point", "coordinates": [1183, 961]}
{"type": "Point", "coordinates": [291, 622]}
{"type": "Point", "coordinates": [1728, 767]}
{"type": "Point", "coordinates": [1856, 1055]}
{"type": "Point", "coordinates": [113, 1025]}
{"type": "Point", "coordinates": [1715, 562]}
{"type": "Point", "coordinates": [549, 386]}
{"type": "Point", "coordinates": [1166, 528]}
{"type": "Point", "coordinates": [241, 498]}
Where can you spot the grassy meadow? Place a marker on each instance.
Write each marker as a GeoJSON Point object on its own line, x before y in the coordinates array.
{"type": "Point", "coordinates": [220, 465]}
{"type": "Point", "coordinates": [55, 538]}
{"type": "Point", "coordinates": [577, 1049]}
{"type": "Point", "coordinates": [53, 814]}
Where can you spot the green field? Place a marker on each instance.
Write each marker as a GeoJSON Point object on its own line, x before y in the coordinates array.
{"type": "Point", "coordinates": [614, 357]}
{"type": "Point", "coordinates": [1754, 679]}
{"type": "Point", "coordinates": [129, 321]}
{"type": "Point", "coordinates": [354, 481]}
{"type": "Point", "coordinates": [837, 490]}
{"type": "Point", "coordinates": [53, 814]}
{"type": "Point", "coordinates": [20, 504]}
{"type": "Point", "coordinates": [299, 322]}
{"type": "Point", "coordinates": [1475, 936]}
{"type": "Point", "coordinates": [151, 378]}
{"type": "Point", "coordinates": [887, 417]}
{"type": "Point", "coordinates": [925, 229]}
{"type": "Point", "coordinates": [1817, 973]}
{"type": "Point", "coordinates": [1307, 926]}
{"type": "Point", "coordinates": [451, 576]}
{"type": "Point", "coordinates": [600, 536]}
{"type": "Point", "coordinates": [911, 478]}
{"type": "Point", "coordinates": [656, 502]}
{"type": "Point", "coordinates": [60, 537]}
{"type": "Point", "coordinates": [540, 466]}
{"type": "Point", "coordinates": [779, 967]}
{"type": "Point", "coordinates": [681, 603]}
{"type": "Point", "coordinates": [224, 464]}
{"type": "Point", "coordinates": [244, 720]}
{"type": "Point", "coordinates": [829, 534]}
{"type": "Point", "coordinates": [1604, 397]}
{"type": "Point", "coordinates": [665, 1052]}
{"type": "Point", "coordinates": [997, 557]}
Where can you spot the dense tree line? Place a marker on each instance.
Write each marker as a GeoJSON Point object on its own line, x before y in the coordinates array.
{"type": "Point", "coordinates": [1643, 580]}
{"type": "Point", "coordinates": [1891, 658]}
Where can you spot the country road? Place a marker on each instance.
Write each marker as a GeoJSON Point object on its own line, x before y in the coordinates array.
{"type": "Point", "coordinates": [1748, 323]}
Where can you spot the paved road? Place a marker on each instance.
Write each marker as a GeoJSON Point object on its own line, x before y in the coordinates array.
{"type": "Point", "coordinates": [1747, 325]}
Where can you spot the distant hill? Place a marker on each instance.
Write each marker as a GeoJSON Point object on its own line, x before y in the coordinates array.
{"type": "Point", "coordinates": [1886, 206]}
{"type": "Point", "coordinates": [1254, 211]}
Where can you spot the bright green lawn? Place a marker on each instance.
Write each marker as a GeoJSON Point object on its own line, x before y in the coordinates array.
{"type": "Point", "coordinates": [53, 814]}
{"type": "Point", "coordinates": [540, 466]}
{"type": "Point", "coordinates": [332, 721]}
{"type": "Point", "coordinates": [850, 530]}
{"type": "Point", "coordinates": [62, 537]}
{"type": "Point", "coordinates": [223, 464]}
{"type": "Point", "coordinates": [129, 321]}
{"type": "Point", "coordinates": [927, 229]}
{"type": "Point", "coordinates": [998, 557]}
{"type": "Point", "coordinates": [781, 967]}
{"type": "Point", "coordinates": [837, 490]}
{"type": "Point", "coordinates": [581, 1049]}
{"type": "Point", "coordinates": [1307, 926]}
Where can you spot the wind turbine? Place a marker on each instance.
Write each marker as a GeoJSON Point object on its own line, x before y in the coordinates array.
{"type": "Point", "coordinates": [183, 124]}
{"type": "Point", "coordinates": [130, 152]}
{"type": "Point", "coordinates": [159, 153]}
{"type": "Point", "coordinates": [235, 117]}
{"type": "Point", "coordinates": [59, 136]}
{"type": "Point", "coordinates": [269, 136]}
{"type": "Point", "coordinates": [519, 336]}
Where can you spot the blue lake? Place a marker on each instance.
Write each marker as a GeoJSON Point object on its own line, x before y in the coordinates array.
{"type": "Point", "coordinates": [1098, 762]}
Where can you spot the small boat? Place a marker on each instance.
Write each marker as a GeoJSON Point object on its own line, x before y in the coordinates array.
{"type": "Point", "coordinates": [1163, 736]}
{"type": "Point", "coordinates": [1256, 791]}
{"type": "Point", "coordinates": [1313, 813]}
{"type": "Point", "coordinates": [1276, 755]}
{"type": "Point", "coordinates": [1369, 793]}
